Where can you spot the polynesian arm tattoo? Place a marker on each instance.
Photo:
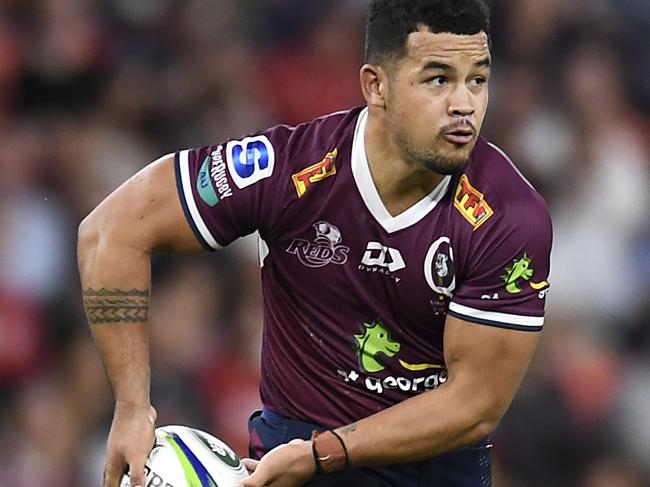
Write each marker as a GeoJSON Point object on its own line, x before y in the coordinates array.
{"type": "Point", "coordinates": [116, 305]}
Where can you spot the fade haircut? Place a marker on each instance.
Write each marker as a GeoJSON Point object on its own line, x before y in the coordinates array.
{"type": "Point", "coordinates": [391, 21]}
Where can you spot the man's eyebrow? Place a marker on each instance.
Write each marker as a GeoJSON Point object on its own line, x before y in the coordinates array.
{"type": "Point", "coordinates": [437, 65]}
{"type": "Point", "coordinates": [483, 63]}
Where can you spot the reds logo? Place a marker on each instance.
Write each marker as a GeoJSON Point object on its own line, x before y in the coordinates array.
{"type": "Point", "coordinates": [471, 203]}
{"type": "Point", "coordinates": [314, 173]}
{"type": "Point", "coordinates": [325, 249]}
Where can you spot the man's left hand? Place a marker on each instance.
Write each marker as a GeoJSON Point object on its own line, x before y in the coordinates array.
{"type": "Point", "coordinates": [289, 465]}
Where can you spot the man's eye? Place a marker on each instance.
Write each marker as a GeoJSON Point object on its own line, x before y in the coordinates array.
{"type": "Point", "coordinates": [478, 81]}
{"type": "Point", "coordinates": [437, 81]}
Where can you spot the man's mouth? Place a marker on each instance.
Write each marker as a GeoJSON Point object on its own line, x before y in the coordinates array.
{"type": "Point", "coordinates": [459, 136]}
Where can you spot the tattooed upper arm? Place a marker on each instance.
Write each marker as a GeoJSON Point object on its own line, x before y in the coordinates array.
{"type": "Point", "coordinates": [116, 305]}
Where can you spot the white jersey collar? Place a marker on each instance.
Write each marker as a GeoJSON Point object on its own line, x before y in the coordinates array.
{"type": "Point", "coordinates": [370, 195]}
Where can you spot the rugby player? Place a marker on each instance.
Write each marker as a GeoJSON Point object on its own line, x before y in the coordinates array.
{"type": "Point", "coordinates": [404, 265]}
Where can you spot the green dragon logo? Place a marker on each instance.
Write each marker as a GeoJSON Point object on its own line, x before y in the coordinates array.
{"type": "Point", "coordinates": [520, 269]}
{"type": "Point", "coordinates": [374, 340]}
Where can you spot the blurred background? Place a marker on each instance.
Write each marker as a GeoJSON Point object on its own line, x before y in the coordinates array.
{"type": "Point", "coordinates": [92, 90]}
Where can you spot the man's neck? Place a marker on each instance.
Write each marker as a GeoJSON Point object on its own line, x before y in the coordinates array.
{"type": "Point", "coordinates": [399, 183]}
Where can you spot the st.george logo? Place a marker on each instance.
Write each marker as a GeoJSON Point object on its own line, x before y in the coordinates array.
{"type": "Point", "coordinates": [522, 270]}
{"type": "Point", "coordinates": [375, 349]}
{"type": "Point", "coordinates": [250, 160]}
{"type": "Point", "coordinates": [374, 340]}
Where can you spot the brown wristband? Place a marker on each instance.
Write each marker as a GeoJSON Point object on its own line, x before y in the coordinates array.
{"type": "Point", "coordinates": [330, 453]}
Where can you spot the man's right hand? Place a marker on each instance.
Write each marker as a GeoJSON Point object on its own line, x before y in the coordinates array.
{"type": "Point", "coordinates": [129, 443]}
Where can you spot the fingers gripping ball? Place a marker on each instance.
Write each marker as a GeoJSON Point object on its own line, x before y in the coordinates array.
{"type": "Point", "coordinates": [188, 457]}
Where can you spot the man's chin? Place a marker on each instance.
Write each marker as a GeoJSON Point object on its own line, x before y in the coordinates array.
{"type": "Point", "coordinates": [446, 165]}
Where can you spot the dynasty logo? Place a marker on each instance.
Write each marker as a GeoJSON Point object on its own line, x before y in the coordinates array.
{"type": "Point", "coordinates": [326, 248]}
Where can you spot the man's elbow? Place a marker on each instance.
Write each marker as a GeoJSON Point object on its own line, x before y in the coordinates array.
{"type": "Point", "coordinates": [488, 415]}
{"type": "Point", "coordinates": [485, 427]}
{"type": "Point", "coordinates": [484, 417]}
{"type": "Point", "coordinates": [88, 237]}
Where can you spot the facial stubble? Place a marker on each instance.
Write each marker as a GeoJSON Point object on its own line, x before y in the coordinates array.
{"type": "Point", "coordinates": [432, 159]}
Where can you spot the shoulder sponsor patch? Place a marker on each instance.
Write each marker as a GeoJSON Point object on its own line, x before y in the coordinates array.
{"type": "Point", "coordinates": [250, 160]}
{"type": "Point", "coordinates": [212, 183]}
{"type": "Point", "coordinates": [315, 173]}
{"type": "Point", "coordinates": [218, 174]}
{"type": "Point", "coordinates": [471, 203]}
{"type": "Point", "coordinates": [204, 185]}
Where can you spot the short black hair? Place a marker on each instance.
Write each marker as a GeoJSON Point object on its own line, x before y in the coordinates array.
{"type": "Point", "coordinates": [391, 21]}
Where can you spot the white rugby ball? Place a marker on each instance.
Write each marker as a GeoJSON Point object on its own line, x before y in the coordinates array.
{"type": "Point", "coordinates": [188, 457]}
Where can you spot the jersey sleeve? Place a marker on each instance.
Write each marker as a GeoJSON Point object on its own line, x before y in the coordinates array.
{"type": "Point", "coordinates": [232, 189]}
{"type": "Point", "coordinates": [506, 283]}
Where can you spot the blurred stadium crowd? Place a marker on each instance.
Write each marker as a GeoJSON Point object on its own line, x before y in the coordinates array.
{"type": "Point", "coordinates": [92, 90]}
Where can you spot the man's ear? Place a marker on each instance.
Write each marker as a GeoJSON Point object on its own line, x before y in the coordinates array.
{"type": "Point", "coordinates": [374, 85]}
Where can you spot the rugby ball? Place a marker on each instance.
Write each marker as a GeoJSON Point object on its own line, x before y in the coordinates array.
{"type": "Point", "coordinates": [188, 457]}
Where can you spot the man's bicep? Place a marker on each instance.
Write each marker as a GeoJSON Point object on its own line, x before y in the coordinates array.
{"type": "Point", "coordinates": [489, 362]}
{"type": "Point", "coordinates": [145, 212]}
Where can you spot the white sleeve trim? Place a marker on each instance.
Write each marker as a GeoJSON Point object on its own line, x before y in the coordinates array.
{"type": "Point", "coordinates": [186, 182]}
{"type": "Point", "coordinates": [494, 317]}
{"type": "Point", "coordinates": [263, 250]}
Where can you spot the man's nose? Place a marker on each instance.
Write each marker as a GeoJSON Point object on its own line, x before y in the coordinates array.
{"type": "Point", "coordinates": [460, 102]}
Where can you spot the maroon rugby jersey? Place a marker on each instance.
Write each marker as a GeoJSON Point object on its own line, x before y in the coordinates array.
{"type": "Point", "coordinates": [355, 299]}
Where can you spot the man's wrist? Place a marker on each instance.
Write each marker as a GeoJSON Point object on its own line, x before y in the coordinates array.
{"type": "Point", "coordinates": [329, 452]}
{"type": "Point", "coordinates": [136, 408]}
{"type": "Point", "coordinates": [142, 403]}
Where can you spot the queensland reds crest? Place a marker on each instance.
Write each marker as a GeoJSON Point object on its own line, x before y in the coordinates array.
{"type": "Point", "coordinates": [439, 267]}
{"type": "Point", "coordinates": [326, 248]}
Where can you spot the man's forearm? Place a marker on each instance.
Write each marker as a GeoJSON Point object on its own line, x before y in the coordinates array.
{"type": "Point", "coordinates": [107, 306]}
{"type": "Point", "coordinates": [114, 251]}
{"type": "Point", "coordinates": [486, 366]}
{"type": "Point", "coordinates": [418, 428]}
{"type": "Point", "coordinates": [115, 282]}
{"type": "Point", "coordinates": [123, 345]}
